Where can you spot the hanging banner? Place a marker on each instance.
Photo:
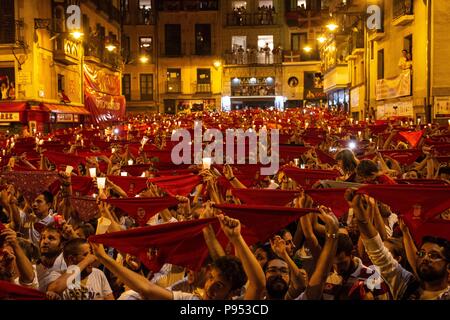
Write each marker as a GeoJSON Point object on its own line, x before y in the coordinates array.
{"type": "Point", "coordinates": [102, 94]}
{"type": "Point", "coordinates": [313, 84]}
{"type": "Point", "coordinates": [399, 86]}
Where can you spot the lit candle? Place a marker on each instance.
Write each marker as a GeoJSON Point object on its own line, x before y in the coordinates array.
{"type": "Point", "coordinates": [302, 166]}
{"type": "Point", "coordinates": [130, 162]}
{"type": "Point", "coordinates": [297, 162]}
{"type": "Point", "coordinates": [124, 174]}
{"type": "Point", "coordinates": [101, 182]}
{"type": "Point", "coordinates": [340, 129]}
{"type": "Point", "coordinates": [370, 140]}
{"type": "Point", "coordinates": [4, 152]}
{"type": "Point", "coordinates": [357, 122]}
{"type": "Point", "coordinates": [367, 119]}
{"type": "Point", "coordinates": [113, 150]}
{"type": "Point", "coordinates": [69, 170]}
{"type": "Point", "coordinates": [359, 134]}
{"type": "Point", "coordinates": [306, 125]}
{"type": "Point", "coordinates": [207, 163]}
{"type": "Point", "coordinates": [93, 172]}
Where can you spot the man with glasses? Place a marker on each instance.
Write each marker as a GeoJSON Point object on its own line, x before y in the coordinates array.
{"type": "Point", "coordinates": [432, 262]}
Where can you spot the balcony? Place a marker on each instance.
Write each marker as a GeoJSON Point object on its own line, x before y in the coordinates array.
{"type": "Point", "coordinates": [65, 50]}
{"type": "Point", "coordinates": [11, 32]}
{"type": "Point", "coordinates": [174, 86]}
{"type": "Point", "coordinates": [402, 12]}
{"type": "Point", "coordinates": [251, 19]}
{"type": "Point", "coordinates": [356, 43]}
{"type": "Point", "coordinates": [203, 88]}
{"type": "Point", "coordinates": [188, 5]}
{"type": "Point", "coordinates": [336, 78]}
{"type": "Point", "coordinates": [252, 57]}
{"type": "Point", "coordinates": [95, 51]}
{"type": "Point", "coordinates": [249, 90]}
{"type": "Point", "coordinates": [300, 56]}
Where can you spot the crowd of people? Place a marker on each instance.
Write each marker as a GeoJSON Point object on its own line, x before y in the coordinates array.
{"type": "Point", "coordinates": [358, 210]}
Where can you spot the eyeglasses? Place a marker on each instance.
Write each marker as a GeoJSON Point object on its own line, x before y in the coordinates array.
{"type": "Point", "coordinates": [432, 256]}
{"type": "Point", "coordinates": [281, 270]}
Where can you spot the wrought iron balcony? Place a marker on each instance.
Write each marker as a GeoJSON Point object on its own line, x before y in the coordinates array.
{"type": "Point", "coordinates": [11, 32]}
{"type": "Point", "coordinates": [65, 50]}
{"type": "Point", "coordinates": [252, 57]}
{"type": "Point", "coordinates": [402, 8]}
{"type": "Point", "coordinates": [203, 87]}
{"type": "Point", "coordinates": [260, 18]}
{"type": "Point", "coordinates": [174, 86]}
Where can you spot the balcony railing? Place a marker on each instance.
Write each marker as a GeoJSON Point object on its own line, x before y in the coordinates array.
{"type": "Point", "coordinates": [65, 50]}
{"type": "Point", "coordinates": [11, 32]}
{"type": "Point", "coordinates": [94, 50]}
{"type": "Point", "coordinates": [251, 19]}
{"type": "Point", "coordinates": [203, 88]}
{"type": "Point", "coordinates": [246, 90]}
{"type": "Point", "coordinates": [252, 57]}
{"type": "Point", "coordinates": [174, 86]}
{"type": "Point", "coordinates": [402, 8]}
{"type": "Point", "coordinates": [356, 41]}
{"type": "Point", "coordinates": [188, 5]}
{"type": "Point", "coordinates": [300, 56]}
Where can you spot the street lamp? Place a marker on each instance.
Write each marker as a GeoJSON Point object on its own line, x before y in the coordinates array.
{"type": "Point", "coordinates": [332, 26]}
{"type": "Point", "coordinates": [307, 49]}
{"type": "Point", "coordinates": [321, 39]}
{"type": "Point", "coordinates": [217, 64]}
{"type": "Point", "coordinates": [77, 34]}
{"type": "Point", "coordinates": [144, 59]}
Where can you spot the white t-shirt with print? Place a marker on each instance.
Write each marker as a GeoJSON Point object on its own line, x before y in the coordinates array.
{"type": "Point", "coordinates": [94, 287]}
{"type": "Point", "coordinates": [43, 273]}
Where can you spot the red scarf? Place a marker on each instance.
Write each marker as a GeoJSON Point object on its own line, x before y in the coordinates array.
{"type": "Point", "coordinates": [413, 138]}
{"type": "Point", "coordinates": [434, 227]}
{"type": "Point", "coordinates": [82, 185]}
{"type": "Point", "coordinates": [59, 158]}
{"type": "Point", "coordinates": [151, 206]}
{"type": "Point", "coordinates": [136, 170]}
{"type": "Point", "coordinates": [179, 243]}
{"type": "Point", "coordinates": [131, 185]}
{"type": "Point", "coordinates": [261, 222]}
{"type": "Point", "coordinates": [32, 183]}
{"type": "Point", "coordinates": [332, 198]}
{"type": "Point", "coordinates": [289, 153]}
{"type": "Point", "coordinates": [86, 208]}
{"type": "Point", "coordinates": [405, 157]}
{"type": "Point", "coordinates": [177, 185]}
{"type": "Point", "coordinates": [11, 291]}
{"type": "Point", "coordinates": [265, 196]}
{"type": "Point", "coordinates": [306, 178]}
{"type": "Point", "coordinates": [418, 201]}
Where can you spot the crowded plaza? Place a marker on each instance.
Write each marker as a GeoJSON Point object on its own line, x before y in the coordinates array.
{"type": "Point", "coordinates": [161, 169]}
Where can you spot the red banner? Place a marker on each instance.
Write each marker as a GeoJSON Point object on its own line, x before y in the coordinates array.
{"type": "Point", "coordinates": [102, 94]}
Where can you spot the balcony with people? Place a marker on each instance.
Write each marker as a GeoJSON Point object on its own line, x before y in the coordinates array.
{"type": "Point", "coordinates": [253, 87]}
{"type": "Point", "coordinates": [263, 54]}
{"type": "Point", "coordinates": [402, 12]}
{"type": "Point", "coordinates": [242, 15]}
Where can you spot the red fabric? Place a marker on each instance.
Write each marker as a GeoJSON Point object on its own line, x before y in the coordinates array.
{"type": "Point", "coordinates": [177, 185]}
{"type": "Point", "coordinates": [265, 196]}
{"type": "Point", "coordinates": [136, 169]}
{"type": "Point", "coordinates": [82, 184]}
{"type": "Point", "coordinates": [11, 291]}
{"type": "Point", "coordinates": [261, 222]}
{"type": "Point", "coordinates": [31, 183]}
{"type": "Point", "coordinates": [384, 179]}
{"type": "Point", "coordinates": [289, 153]}
{"type": "Point", "coordinates": [422, 181]}
{"type": "Point", "coordinates": [307, 178]}
{"type": "Point", "coordinates": [179, 243]}
{"type": "Point", "coordinates": [325, 157]}
{"type": "Point", "coordinates": [86, 208]}
{"type": "Point", "coordinates": [423, 202]}
{"type": "Point", "coordinates": [131, 185]}
{"type": "Point", "coordinates": [151, 206]}
{"type": "Point", "coordinates": [332, 198]}
{"type": "Point", "coordinates": [413, 138]}
{"type": "Point", "coordinates": [59, 158]}
{"type": "Point", "coordinates": [165, 173]}
{"type": "Point", "coordinates": [433, 227]}
{"type": "Point", "coordinates": [405, 157]}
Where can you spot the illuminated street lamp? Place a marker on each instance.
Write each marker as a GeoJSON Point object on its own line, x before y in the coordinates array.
{"type": "Point", "coordinates": [217, 64]}
{"type": "Point", "coordinates": [77, 34]}
{"type": "Point", "coordinates": [332, 26]}
{"type": "Point", "coordinates": [321, 39]}
{"type": "Point", "coordinates": [307, 49]}
{"type": "Point", "coordinates": [144, 59]}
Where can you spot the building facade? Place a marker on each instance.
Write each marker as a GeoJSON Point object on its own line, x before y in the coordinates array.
{"type": "Point", "coordinates": [49, 69]}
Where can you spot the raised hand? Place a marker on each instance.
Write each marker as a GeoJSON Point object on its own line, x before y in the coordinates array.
{"type": "Point", "coordinates": [278, 246]}
{"type": "Point", "coordinates": [329, 219]}
{"type": "Point", "coordinates": [231, 227]}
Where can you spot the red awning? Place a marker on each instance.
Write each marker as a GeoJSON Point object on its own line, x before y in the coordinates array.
{"type": "Point", "coordinates": [12, 106]}
{"type": "Point", "coordinates": [57, 108]}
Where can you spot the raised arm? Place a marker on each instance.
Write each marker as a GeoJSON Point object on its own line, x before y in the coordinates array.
{"type": "Point", "coordinates": [228, 173]}
{"type": "Point", "coordinates": [135, 281]}
{"type": "Point", "coordinates": [409, 245]}
{"type": "Point", "coordinates": [256, 279]}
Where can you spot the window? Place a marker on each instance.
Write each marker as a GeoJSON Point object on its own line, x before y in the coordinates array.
{"type": "Point", "coordinates": [61, 83]}
{"type": "Point", "coordinates": [146, 45]}
{"type": "Point", "coordinates": [146, 82]}
{"type": "Point", "coordinates": [203, 39]}
{"type": "Point", "coordinates": [173, 39]}
{"type": "Point", "coordinates": [126, 86]}
{"type": "Point", "coordinates": [144, 4]}
{"type": "Point", "coordinates": [173, 80]}
{"type": "Point", "coordinates": [203, 80]}
{"type": "Point", "coordinates": [239, 5]}
{"type": "Point", "coordinates": [263, 40]}
{"type": "Point", "coordinates": [298, 41]}
{"type": "Point", "coordinates": [408, 44]}
{"type": "Point", "coordinates": [265, 3]}
{"type": "Point", "coordinates": [7, 25]}
{"type": "Point", "coordinates": [237, 42]}
{"type": "Point", "coordinates": [126, 48]}
{"type": "Point", "coordinates": [380, 71]}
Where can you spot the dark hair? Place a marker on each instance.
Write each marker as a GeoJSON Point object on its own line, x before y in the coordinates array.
{"type": "Point", "coordinates": [349, 160]}
{"type": "Point", "coordinates": [87, 228]}
{"type": "Point", "coordinates": [283, 232]}
{"type": "Point", "coordinates": [440, 242]}
{"type": "Point", "coordinates": [232, 270]}
{"type": "Point", "coordinates": [345, 244]}
{"type": "Point", "coordinates": [51, 228]}
{"type": "Point", "coordinates": [48, 196]}
{"type": "Point", "coordinates": [444, 170]}
{"type": "Point", "coordinates": [72, 246]}
{"type": "Point", "coordinates": [366, 168]}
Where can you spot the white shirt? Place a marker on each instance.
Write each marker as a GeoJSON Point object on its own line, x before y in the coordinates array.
{"type": "Point", "coordinates": [94, 287]}
{"type": "Point", "coordinates": [178, 295]}
{"type": "Point", "coordinates": [130, 295]}
{"type": "Point", "coordinates": [33, 234]}
{"type": "Point", "coordinates": [43, 273]}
